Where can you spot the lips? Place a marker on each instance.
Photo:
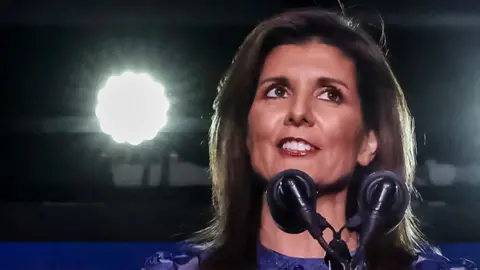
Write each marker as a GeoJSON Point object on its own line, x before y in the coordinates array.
{"type": "Point", "coordinates": [296, 146]}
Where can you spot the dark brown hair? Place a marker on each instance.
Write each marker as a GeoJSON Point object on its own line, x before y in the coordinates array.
{"type": "Point", "coordinates": [237, 197]}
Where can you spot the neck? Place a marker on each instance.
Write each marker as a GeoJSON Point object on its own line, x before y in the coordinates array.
{"type": "Point", "coordinates": [331, 207]}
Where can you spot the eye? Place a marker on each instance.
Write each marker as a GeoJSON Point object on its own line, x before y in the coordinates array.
{"type": "Point", "coordinates": [276, 91]}
{"type": "Point", "coordinates": [331, 93]}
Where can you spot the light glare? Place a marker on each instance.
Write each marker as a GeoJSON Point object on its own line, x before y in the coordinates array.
{"type": "Point", "coordinates": [132, 108]}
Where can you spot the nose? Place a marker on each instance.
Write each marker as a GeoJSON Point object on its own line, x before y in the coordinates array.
{"type": "Point", "coordinates": [300, 113]}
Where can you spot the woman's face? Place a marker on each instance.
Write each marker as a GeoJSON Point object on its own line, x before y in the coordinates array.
{"type": "Point", "coordinates": [306, 115]}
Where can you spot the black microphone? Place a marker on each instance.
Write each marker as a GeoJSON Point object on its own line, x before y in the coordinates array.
{"type": "Point", "coordinates": [383, 200]}
{"type": "Point", "coordinates": [291, 197]}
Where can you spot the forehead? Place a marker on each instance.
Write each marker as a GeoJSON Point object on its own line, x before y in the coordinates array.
{"type": "Point", "coordinates": [313, 59]}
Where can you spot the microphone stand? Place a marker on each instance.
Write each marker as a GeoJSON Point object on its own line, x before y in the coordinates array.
{"type": "Point", "coordinates": [340, 247]}
{"type": "Point", "coordinates": [337, 253]}
{"type": "Point", "coordinates": [315, 223]}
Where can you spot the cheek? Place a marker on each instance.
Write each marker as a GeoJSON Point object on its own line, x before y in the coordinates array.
{"type": "Point", "coordinates": [346, 135]}
{"type": "Point", "coordinates": [341, 146]}
{"type": "Point", "coordinates": [342, 128]}
{"type": "Point", "coordinates": [262, 124]}
{"type": "Point", "coordinates": [262, 127]}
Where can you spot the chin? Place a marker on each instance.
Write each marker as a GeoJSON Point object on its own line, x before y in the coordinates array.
{"type": "Point", "coordinates": [313, 173]}
{"type": "Point", "coordinates": [318, 177]}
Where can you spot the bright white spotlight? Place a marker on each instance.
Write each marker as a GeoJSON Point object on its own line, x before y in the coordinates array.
{"type": "Point", "coordinates": [132, 108]}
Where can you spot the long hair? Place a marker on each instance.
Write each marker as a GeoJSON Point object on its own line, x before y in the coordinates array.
{"type": "Point", "coordinates": [232, 237]}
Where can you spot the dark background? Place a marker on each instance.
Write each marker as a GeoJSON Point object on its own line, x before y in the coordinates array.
{"type": "Point", "coordinates": [56, 177]}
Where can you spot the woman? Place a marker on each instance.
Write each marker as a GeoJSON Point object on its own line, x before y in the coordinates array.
{"type": "Point", "coordinates": [307, 90]}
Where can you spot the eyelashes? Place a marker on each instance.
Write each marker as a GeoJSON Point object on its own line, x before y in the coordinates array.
{"type": "Point", "coordinates": [276, 91]}
{"type": "Point", "coordinates": [328, 93]}
{"type": "Point", "coordinates": [333, 94]}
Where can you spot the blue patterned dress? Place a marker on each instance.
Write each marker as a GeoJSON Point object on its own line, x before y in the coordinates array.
{"type": "Point", "coordinates": [271, 260]}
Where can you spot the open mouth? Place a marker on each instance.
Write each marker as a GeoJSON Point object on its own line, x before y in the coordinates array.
{"type": "Point", "coordinates": [296, 146]}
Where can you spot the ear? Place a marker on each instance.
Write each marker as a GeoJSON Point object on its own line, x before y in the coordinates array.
{"type": "Point", "coordinates": [368, 149]}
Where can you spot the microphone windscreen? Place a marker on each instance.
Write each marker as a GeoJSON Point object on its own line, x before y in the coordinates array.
{"type": "Point", "coordinates": [280, 200]}
{"type": "Point", "coordinates": [394, 209]}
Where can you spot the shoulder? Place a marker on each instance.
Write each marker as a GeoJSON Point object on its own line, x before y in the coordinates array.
{"type": "Point", "coordinates": [182, 259]}
{"type": "Point", "coordinates": [433, 260]}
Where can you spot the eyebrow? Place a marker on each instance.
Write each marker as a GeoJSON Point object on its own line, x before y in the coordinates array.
{"type": "Point", "coordinates": [320, 81]}
{"type": "Point", "coordinates": [330, 80]}
{"type": "Point", "coordinates": [278, 79]}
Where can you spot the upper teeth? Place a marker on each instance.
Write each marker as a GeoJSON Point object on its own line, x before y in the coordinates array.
{"type": "Point", "coordinates": [297, 146]}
